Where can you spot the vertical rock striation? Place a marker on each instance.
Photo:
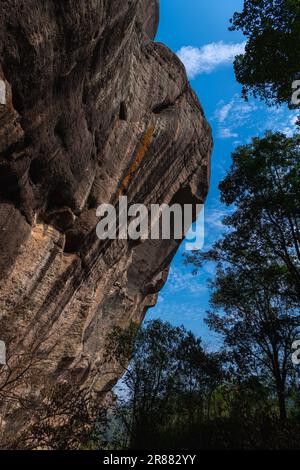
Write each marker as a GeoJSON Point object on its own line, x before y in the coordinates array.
{"type": "Point", "coordinates": [93, 107]}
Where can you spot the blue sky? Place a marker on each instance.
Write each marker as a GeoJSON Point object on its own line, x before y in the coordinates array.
{"type": "Point", "coordinates": [198, 32]}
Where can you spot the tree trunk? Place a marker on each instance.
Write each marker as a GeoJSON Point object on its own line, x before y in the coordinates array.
{"type": "Point", "coordinates": [280, 389]}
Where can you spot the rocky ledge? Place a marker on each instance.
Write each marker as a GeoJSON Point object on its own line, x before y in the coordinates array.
{"type": "Point", "coordinates": [89, 96]}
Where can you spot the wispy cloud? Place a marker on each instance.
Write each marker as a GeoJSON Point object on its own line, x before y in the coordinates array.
{"type": "Point", "coordinates": [226, 133]}
{"type": "Point", "coordinates": [214, 218]}
{"type": "Point", "coordinates": [222, 113]}
{"type": "Point", "coordinates": [181, 280]}
{"type": "Point", "coordinates": [214, 227]}
{"type": "Point", "coordinates": [280, 122]}
{"type": "Point", "coordinates": [237, 116]}
{"type": "Point", "coordinates": [207, 58]}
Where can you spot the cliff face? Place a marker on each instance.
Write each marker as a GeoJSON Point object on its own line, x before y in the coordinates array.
{"type": "Point", "coordinates": [89, 97]}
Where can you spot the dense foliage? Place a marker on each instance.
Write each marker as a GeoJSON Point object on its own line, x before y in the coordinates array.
{"type": "Point", "coordinates": [263, 187]}
{"type": "Point", "coordinates": [272, 57]}
{"type": "Point", "coordinates": [256, 291]}
{"type": "Point", "coordinates": [175, 394]}
{"type": "Point", "coordinates": [168, 385]}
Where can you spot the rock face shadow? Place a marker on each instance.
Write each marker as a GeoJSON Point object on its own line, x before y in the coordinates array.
{"type": "Point", "coordinates": [93, 107]}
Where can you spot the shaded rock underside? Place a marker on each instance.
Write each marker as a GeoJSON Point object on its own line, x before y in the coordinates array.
{"type": "Point", "coordinates": [94, 108]}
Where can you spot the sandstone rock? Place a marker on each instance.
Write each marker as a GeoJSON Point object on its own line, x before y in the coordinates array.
{"type": "Point", "coordinates": [93, 107]}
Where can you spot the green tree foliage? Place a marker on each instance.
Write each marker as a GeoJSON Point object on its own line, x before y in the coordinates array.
{"type": "Point", "coordinates": [168, 385]}
{"type": "Point", "coordinates": [256, 291]}
{"type": "Point", "coordinates": [263, 187]}
{"type": "Point", "coordinates": [258, 328]}
{"type": "Point", "coordinates": [272, 57]}
{"type": "Point", "coordinates": [177, 395]}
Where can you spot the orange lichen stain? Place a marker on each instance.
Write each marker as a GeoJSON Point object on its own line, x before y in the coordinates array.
{"type": "Point", "coordinates": [144, 146]}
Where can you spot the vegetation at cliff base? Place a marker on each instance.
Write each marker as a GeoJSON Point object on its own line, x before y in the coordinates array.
{"type": "Point", "coordinates": [176, 394]}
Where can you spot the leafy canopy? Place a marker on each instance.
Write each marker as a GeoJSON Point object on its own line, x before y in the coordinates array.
{"type": "Point", "coordinates": [263, 187]}
{"type": "Point", "coordinates": [272, 57]}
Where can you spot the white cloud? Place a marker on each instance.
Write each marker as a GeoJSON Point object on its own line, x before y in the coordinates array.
{"type": "Point", "coordinates": [214, 227]}
{"type": "Point", "coordinates": [280, 122]}
{"type": "Point", "coordinates": [222, 113]}
{"type": "Point", "coordinates": [214, 218]}
{"type": "Point", "coordinates": [236, 110]}
{"type": "Point", "coordinates": [226, 133]}
{"type": "Point", "coordinates": [240, 120]}
{"type": "Point", "coordinates": [207, 58]}
{"type": "Point", "coordinates": [182, 280]}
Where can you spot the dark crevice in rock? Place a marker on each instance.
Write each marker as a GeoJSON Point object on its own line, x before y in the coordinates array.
{"type": "Point", "coordinates": [34, 172]}
{"type": "Point", "coordinates": [123, 113]}
{"type": "Point", "coordinates": [74, 241]}
{"type": "Point", "coordinates": [9, 186]}
{"type": "Point", "coordinates": [162, 107]}
{"type": "Point", "coordinates": [62, 219]}
{"type": "Point", "coordinates": [60, 132]}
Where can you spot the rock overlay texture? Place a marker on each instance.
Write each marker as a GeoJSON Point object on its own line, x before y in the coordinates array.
{"type": "Point", "coordinates": [94, 108]}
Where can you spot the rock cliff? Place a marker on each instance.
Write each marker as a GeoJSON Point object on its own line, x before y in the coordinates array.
{"type": "Point", "coordinates": [90, 97]}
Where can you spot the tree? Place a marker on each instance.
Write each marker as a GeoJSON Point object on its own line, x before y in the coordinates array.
{"type": "Point", "coordinates": [177, 395]}
{"type": "Point", "coordinates": [263, 187]}
{"type": "Point", "coordinates": [167, 384]}
{"type": "Point", "coordinates": [257, 326]}
{"type": "Point", "coordinates": [272, 57]}
{"type": "Point", "coordinates": [257, 286]}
